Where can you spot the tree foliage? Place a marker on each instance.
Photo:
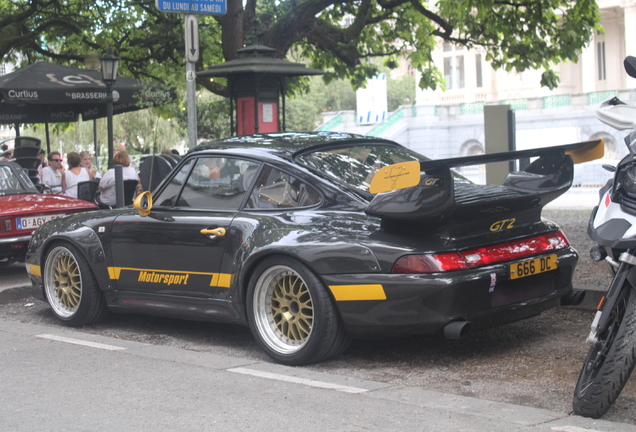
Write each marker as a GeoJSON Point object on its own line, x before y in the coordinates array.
{"type": "Point", "coordinates": [339, 37]}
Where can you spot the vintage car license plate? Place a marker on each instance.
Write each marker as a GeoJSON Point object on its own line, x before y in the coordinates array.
{"type": "Point", "coordinates": [533, 266]}
{"type": "Point", "coordinates": [35, 221]}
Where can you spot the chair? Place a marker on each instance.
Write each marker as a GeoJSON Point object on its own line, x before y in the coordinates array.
{"type": "Point", "coordinates": [170, 159]}
{"type": "Point", "coordinates": [130, 186]}
{"type": "Point", "coordinates": [87, 190]}
{"type": "Point", "coordinates": [158, 166]}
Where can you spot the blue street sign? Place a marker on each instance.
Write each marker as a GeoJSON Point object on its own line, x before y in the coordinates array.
{"type": "Point", "coordinates": [214, 7]}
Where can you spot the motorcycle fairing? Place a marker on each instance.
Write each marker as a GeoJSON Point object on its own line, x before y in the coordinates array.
{"type": "Point", "coordinates": [610, 226]}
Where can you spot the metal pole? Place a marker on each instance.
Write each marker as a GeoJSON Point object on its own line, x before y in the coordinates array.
{"type": "Point", "coordinates": [119, 186]}
{"type": "Point", "coordinates": [192, 105]}
{"type": "Point", "coordinates": [191, 27]}
{"type": "Point", "coordinates": [95, 143]}
{"type": "Point", "coordinates": [109, 114]}
{"type": "Point", "coordinates": [48, 140]}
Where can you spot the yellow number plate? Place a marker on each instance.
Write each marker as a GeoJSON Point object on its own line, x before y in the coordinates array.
{"type": "Point", "coordinates": [533, 266]}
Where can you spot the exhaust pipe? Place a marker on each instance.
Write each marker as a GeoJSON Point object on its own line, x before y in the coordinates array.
{"type": "Point", "coordinates": [456, 329]}
{"type": "Point", "coordinates": [573, 298]}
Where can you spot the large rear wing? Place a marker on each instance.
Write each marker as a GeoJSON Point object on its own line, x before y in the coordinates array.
{"type": "Point", "coordinates": [409, 174]}
{"type": "Point", "coordinates": [429, 194]}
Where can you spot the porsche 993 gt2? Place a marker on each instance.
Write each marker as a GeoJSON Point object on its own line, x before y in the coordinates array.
{"type": "Point", "coordinates": [312, 239]}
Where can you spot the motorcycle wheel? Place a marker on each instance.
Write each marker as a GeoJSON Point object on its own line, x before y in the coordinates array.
{"type": "Point", "coordinates": [610, 361]}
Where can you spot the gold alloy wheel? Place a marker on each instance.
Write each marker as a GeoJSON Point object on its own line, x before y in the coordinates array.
{"type": "Point", "coordinates": [284, 310]}
{"type": "Point", "coordinates": [63, 282]}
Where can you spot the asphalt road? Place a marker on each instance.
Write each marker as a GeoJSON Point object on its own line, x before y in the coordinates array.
{"type": "Point", "coordinates": [58, 379]}
{"type": "Point", "coordinates": [13, 275]}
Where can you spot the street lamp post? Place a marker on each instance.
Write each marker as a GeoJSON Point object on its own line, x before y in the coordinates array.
{"type": "Point", "coordinates": [110, 63]}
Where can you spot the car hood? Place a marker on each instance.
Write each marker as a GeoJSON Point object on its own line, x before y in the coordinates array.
{"type": "Point", "coordinates": [41, 203]}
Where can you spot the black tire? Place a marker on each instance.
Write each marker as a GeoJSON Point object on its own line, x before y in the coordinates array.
{"type": "Point", "coordinates": [292, 315]}
{"type": "Point", "coordinates": [71, 289]}
{"type": "Point", "coordinates": [609, 362]}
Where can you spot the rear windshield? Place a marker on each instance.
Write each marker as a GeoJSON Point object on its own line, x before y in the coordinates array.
{"type": "Point", "coordinates": [357, 165]}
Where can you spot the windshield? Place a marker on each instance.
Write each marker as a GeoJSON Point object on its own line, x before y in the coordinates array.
{"type": "Point", "coordinates": [357, 165]}
{"type": "Point", "coordinates": [9, 183]}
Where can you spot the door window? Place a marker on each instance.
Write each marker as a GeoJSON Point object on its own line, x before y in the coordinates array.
{"type": "Point", "coordinates": [212, 183]}
{"type": "Point", "coordinates": [275, 189]}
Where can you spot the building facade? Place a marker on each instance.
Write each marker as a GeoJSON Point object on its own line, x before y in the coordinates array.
{"type": "Point", "coordinates": [450, 123]}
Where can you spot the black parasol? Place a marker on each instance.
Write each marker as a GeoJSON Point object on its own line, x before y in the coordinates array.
{"type": "Point", "coordinates": [47, 93]}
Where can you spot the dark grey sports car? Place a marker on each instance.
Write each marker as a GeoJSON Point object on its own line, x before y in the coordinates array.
{"type": "Point", "coordinates": [280, 232]}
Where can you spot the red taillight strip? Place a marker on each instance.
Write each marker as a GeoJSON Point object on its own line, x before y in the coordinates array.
{"type": "Point", "coordinates": [481, 256]}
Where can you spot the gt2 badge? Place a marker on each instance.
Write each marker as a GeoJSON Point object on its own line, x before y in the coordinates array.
{"type": "Point", "coordinates": [433, 181]}
{"type": "Point", "coordinates": [503, 224]}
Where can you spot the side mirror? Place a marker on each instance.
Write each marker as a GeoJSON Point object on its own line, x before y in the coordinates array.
{"type": "Point", "coordinates": [630, 66]}
{"type": "Point", "coordinates": [143, 203]}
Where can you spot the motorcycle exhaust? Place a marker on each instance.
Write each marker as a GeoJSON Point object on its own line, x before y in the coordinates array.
{"type": "Point", "coordinates": [456, 329]}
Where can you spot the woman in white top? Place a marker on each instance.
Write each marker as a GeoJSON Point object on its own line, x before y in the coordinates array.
{"type": "Point", "coordinates": [74, 175]}
{"type": "Point", "coordinates": [87, 162]}
{"type": "Point", "coordinates": [107, 183]}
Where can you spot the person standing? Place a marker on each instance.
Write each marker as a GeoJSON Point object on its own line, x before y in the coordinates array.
{"type": "Point", "coordinates": [52, 174]}
{"type": "Point", "coordinates": [74, 175]}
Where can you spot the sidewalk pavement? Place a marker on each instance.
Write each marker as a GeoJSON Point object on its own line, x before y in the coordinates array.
{"type": "Point", "coordinates": [127, 385]}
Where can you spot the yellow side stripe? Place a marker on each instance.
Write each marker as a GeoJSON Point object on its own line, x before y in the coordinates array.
{"type": "Point", "coordinates": [33, 269]}
{"type": "Point", "coordinates": [222, 280]}
{"type": "Point", "coordinates": [358, 292]}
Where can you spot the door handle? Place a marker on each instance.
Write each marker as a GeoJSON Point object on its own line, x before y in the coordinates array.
{"type": "Point", "coordinates": [219, 232]}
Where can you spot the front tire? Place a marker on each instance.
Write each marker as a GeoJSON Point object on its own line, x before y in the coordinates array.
{"type": "Point", "coordinates": [609, 362]}
{"type": "Point", "coordinates": [71, 289]}
{"type": "Point", "coordinates": [291, 314]}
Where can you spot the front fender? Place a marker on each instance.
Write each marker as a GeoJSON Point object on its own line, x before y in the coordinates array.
{"type": "Point", "coordinates": [82, 237]}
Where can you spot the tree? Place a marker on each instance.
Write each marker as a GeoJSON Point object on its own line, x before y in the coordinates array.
{"type": "Point", "coordinates": [339, 37]}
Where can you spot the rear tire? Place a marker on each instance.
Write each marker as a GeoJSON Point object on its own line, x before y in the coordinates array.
{"type": "Point", "coordinates": [609, 362]}
{"type": "Point", "coordinates": [71, 289]}
{"type": "Point", "coordinates": [291, 314]}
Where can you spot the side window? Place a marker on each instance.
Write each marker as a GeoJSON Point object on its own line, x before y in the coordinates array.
{"type": "Point", "coordinates": [275, 189]}
{"type": "Point", "coordinates": [215, 183]}
{"type": "Point", "coordinates": [168, 197]}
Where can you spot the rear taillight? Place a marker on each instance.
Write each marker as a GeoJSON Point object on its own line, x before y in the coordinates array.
{"type": "Point", "coordinates": [5, 225]}
{"type": "Point", "coordinates": [433, 263]}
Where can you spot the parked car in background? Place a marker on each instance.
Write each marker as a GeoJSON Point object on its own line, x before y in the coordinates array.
{"type": "Point", "coordinates": [312, 239]}
{"type": "Point", "coordinates": [23, 209]}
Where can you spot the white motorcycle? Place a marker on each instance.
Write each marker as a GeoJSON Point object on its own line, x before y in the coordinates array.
{"type": "Point", "coordinates": [612, 226]}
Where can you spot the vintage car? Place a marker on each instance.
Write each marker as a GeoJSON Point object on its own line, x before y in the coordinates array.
{"type": "Point", "coordinates": [23, 209]}
{"type": "Point", "coordinates": [281, 233]}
